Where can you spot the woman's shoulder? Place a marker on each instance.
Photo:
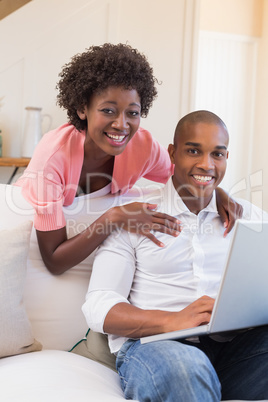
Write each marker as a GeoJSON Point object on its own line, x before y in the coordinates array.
{"type": "Point", "coordinates": [63, 138]}
{"type": "Point", "coordinates": [62, 135]}
{"type": "Point", "coordinates": [145, 144]}
{"type": "Point", "coordinates": [143, 138]}
{"type": "Point", "coordinates": [57, 146]}
{"type": "Point", "coordinates": [142, 135]}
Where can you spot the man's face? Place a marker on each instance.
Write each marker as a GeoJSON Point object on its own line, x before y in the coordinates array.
{"type": "Point", "coordinates": [200, 158]}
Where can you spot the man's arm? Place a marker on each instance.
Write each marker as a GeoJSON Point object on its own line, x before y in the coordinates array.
{"type": "Point", "coordinates": [123, 319]}
{"type": "Point", "coordinates": [107, 308]}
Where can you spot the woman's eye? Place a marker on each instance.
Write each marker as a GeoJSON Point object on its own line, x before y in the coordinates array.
{"type": "Point", "coordinates": [107, 111]}
{"type": "Point", "coordinates": [134, 113]}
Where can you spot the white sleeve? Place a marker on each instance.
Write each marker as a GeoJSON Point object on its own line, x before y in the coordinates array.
{"type": "Point", "coordinates": [111, 279]}
{"type": "Point", "coordinates": [252, 212]}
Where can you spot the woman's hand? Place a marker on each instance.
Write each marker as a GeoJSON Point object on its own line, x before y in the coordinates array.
{"type": "Point", "coordinates": [229, 210]}
{"type": "Point", "coordinates": [141, 218]}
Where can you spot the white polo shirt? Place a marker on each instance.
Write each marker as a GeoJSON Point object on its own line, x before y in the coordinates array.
{"type": "Point", "coordinates": [130, 268]}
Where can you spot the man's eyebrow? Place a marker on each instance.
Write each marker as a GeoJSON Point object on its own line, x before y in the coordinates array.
{"type": "Point", "coordinates": [193, 144]}
{"type": "Point", "coordinates": [197, 144]}
{"type": "Point", "coordinates": [221, 147]}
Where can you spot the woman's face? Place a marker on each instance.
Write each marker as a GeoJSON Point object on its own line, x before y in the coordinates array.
{"type": "Point", "coordinates": [113, 117]}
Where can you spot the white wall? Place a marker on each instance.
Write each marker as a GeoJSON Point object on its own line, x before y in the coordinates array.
{"type": "Point", "coordinates": [226, 86]}
{"type": "Point", "coordinates": [40, 37]}
{"type": "Point", "coordinates": [240, 93]}
{"type": "Point", "coordinates": [236, 17]}
{"type": "Point", "coordinates": [260, 143]}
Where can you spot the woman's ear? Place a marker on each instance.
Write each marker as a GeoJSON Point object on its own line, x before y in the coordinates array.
{"type": "Point", "coordinates": [171, 151]}
{"type": "Point", "coordinates": [82, 114]}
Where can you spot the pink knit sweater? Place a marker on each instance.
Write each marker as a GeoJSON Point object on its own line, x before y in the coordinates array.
{"type": "Point", "coordinates": [51, 179]}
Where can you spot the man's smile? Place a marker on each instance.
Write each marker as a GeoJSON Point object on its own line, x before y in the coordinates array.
{"type": "Point", "coordinates": [203, 179]}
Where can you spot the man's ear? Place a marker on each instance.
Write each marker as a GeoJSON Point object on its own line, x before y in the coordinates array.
{"type": "Point", "coordinates": [227, 155]}
{"type": "Point", "coordinates": [171, 151]}
{"type": "Point", "coordinates": [81, 114]}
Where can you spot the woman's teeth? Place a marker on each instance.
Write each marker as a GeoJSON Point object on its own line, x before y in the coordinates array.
{"type": "Point", "coordinates": [202, 179]}
{"type": "Point", "coordinates": [116, 138]}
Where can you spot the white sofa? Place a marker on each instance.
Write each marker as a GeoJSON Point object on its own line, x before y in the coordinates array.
{"type": "Point", "coordinates": [53, 307]}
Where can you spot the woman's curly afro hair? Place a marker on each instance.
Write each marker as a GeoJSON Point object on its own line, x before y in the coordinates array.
{"type": "Point", "coordinates": [98, 68]}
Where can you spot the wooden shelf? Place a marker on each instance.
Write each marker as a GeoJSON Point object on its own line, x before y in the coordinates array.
{"type": "Point", "coordinates": [15, 162]}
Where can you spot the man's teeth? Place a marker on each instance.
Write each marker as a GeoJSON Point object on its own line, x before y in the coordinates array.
{"type": "Point", "coordinates": [202, 178]}
{"type": "Point", "coordinates": [117, 138]}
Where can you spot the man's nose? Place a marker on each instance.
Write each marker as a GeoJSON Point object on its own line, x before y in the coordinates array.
{"type": "Point", "coordinates": [206, 162]}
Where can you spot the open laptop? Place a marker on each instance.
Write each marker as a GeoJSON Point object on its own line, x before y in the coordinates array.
{"type": "Point", "coordinates": [242, 300]}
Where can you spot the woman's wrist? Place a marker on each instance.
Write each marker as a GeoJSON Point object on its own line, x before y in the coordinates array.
{"type": "Point", "coordinates": [113, 215]}
{"type": "Point", "coordinates": [112, 219]}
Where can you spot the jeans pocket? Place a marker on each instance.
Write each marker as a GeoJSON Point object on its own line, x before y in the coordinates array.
{"type": "Point", "coordinates": [122, 360]}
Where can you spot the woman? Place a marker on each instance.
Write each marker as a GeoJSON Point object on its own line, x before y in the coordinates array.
{"type": "Point", "coordinates": [105, 90]}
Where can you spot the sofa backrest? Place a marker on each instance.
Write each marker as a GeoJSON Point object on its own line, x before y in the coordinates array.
{"type": "Point", "coordinates": [53, 303]}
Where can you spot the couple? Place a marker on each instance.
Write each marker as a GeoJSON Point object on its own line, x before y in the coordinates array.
{"type": "Point", "coordinates": [105, 91]}
{"type": "Point", "coordinates": [139, 289]}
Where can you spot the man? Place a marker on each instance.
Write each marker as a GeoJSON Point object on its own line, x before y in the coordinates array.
{"type": "Point", "coordinates": [138, 289]}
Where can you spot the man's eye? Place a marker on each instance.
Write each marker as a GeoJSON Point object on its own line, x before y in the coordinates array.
{"type": "Point", "coordinates": [218, 154]}
{"type": "Point", "coordinates": [192, 151]}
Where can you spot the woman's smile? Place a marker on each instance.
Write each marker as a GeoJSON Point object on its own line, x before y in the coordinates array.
{"type": "Point", "coordinates": [116, 139]}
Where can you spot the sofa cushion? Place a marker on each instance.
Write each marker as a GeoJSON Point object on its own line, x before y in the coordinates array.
{"type": "Point", "coordinates": [53, 303]}
{"type": "Point", "coordinates": [57, 376]}
{"type": "Point", "coordinates": [15, 330]}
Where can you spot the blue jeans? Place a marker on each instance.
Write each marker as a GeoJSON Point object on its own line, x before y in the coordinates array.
{"type": "Point", "coordinates": [173, 371]}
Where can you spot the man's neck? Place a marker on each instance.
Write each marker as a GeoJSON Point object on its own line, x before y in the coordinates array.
{"type": "Point", "coordinates": [194, 204]}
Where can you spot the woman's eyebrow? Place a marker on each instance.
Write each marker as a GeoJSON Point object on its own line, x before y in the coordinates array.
{"type": "Point", "coordinates": [115, 103]}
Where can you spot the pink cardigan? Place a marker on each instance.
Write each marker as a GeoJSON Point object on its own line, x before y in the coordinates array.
{"type": "Point", "coordinates": [51, 179]}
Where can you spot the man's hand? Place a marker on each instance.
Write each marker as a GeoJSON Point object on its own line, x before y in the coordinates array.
{"type": "Point", "coordinates": [197, 313]}
{"type": "Point", "coordinates": [124, 319]}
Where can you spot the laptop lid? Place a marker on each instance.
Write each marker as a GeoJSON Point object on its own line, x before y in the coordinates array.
{"type": "Point", "coordinates": [242, 300]}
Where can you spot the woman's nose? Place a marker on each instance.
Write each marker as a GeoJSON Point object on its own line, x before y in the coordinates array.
{"type": "Point", "coordinates": [120, 123]}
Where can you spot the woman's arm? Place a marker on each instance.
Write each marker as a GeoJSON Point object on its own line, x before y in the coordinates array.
{"type": "Point", "coordinates": [60, 254]}
{"type": "Point", "coordinates": [229, 210]}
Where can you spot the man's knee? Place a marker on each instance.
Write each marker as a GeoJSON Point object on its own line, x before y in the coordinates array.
{"type": "Point", "coordinates": [169, 370]}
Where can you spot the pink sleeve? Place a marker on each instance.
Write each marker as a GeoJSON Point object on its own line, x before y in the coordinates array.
{"type": "Point", "coordinates": [47, 199]}
{"type": "Point", "coordinates": [50, 180]}
{"type": "Point", "coordinates": [143, 157]}
{"type": "Point", "coordinates": [160, 167]}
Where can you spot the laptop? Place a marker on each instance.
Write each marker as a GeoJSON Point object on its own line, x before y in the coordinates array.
{"type": "Point", "coordinates": [242, 300]}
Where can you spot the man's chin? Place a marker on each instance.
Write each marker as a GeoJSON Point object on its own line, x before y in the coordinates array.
{"type": "Point", "coordinates": [204, 192]}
